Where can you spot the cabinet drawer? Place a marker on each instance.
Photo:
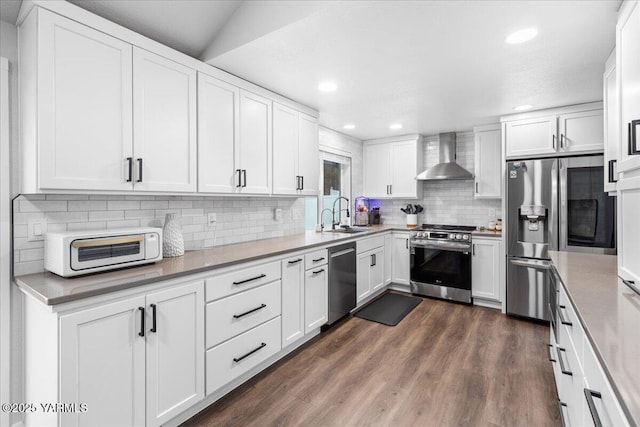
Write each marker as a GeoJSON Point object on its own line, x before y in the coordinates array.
{"type": "Point", "coordinates": [569, 319]}
{"type": "Point", "coordinates": [315, 259]}
{"type": "Point", "coordinates": [364, 245]}
{"type": "Point", "coordinates": [228, 317]}
{"type": "Point", "coordinates": [233, 358]}
{"type": "Point", "coordinates": [240, 280]}
{"type": "Point", "coordinates": [571, 378]}
{"type": "Point", "coordinates": [606, 407]}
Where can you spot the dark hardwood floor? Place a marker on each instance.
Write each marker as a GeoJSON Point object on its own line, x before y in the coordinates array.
{"type": "Point", "coordinates": [445, 364]}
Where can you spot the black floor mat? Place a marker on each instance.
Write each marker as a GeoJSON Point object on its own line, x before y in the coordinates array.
{"type": "Point", "coordinates": [389, 309]}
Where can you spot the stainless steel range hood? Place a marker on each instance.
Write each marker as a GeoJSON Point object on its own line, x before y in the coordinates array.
{"type": "Point", "coordinates": [447, 168]}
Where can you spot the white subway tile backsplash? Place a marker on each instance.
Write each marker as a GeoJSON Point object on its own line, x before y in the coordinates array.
{"type": "Point", "coordinates": [238, 219]}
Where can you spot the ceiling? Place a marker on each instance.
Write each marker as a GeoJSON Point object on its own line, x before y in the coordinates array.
{"type": "Point", "coordinates": [433, 66]}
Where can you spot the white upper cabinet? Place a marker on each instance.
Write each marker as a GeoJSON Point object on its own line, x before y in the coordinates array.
{"type": "Point", "coordinates": [558, 131]}
{"type": "Point", "coordinates": [308, 155]}
{"type": "Point", "coordinates": [254, 170]}
{"type": "Point", "coordinates": [580, 132]}
{"type": "Point", "coordinates": [611, 124]}
{"type": "Point", "coordinates": [391, 166]}
{"type": "Point", "coordinates": [628, 76]}
{"type": "Point", "coordinates": [530, 137]}
{"type": "Point", "coordinates": [164, 125]}
{"type": "Point", "coordinates": [488, 162]}
{"type": "Point", "coordinates": [218, 128]}
{"type": "Point", "coordinates": [76, 116]}
{"type": "Point", "coordinates": [295, 152]}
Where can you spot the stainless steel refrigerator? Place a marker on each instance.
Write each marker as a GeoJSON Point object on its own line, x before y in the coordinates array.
{"type": "Point", "coordinates": [552, 204]}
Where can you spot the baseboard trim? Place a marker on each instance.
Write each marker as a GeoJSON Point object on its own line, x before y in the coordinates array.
{"type": "Point", "coordinates": [497, 305]}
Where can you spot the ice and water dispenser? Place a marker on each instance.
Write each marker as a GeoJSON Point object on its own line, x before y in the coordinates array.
{"type": "Point", "coordinates": [533, 225]}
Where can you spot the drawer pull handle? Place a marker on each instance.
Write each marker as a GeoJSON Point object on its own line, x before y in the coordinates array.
{"type": "Point", "coordinates": [250, 280]}
{"type": "Point", "coordinates": [562, 319]}
{"type": "Point", "coordinates": [562, 419]}
{"type": "Point", "coordinates": [589, 395]}
{"type": "Point", "coordinates": [237, 316]}
{"type": "Point", "coordinates": [141, 333]}
{"type": "Point", "coordinates": [318, 259]}
{"type": "Point", "coordinates": [318, 271]}
{"type": "Point", "coordinates": [295, 261]}
{"type": "Point", "coordinates": [154, 325]}
{"type": "Point", "coordinates": [551, 359]}
{"type": "Point", "coordinates": [563, 369]}
{"type": "Point", "coordinates": [632, 285]}
{"type": "Point", "coordinates": [238, 359]}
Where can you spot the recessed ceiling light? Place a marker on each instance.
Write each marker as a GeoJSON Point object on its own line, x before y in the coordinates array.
{"type": "Point", "coordinates": [523, 107]}
{"type": "Point", "coordinates": [349, 126]}
{"type": "Point", "coordinates": [521, 36]}
{"type": "Point", "coordinates": [327, 86]}
{"type": "Point", "coordinates": [395, 126]}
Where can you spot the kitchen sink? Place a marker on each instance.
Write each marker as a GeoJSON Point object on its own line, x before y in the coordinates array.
{"type": "Point", "coordinates": [350, 230]}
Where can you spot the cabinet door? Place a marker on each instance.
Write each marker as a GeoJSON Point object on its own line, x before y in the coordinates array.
{"type": "Point", "coordinates": [218, 123]}
{"type": "Point", "coordinates": [581, 132]}
{"type": "Point", "coordinates": [531, 137]}
{"type": "Point", "coordinates": [377, 270]}
{"type": "Point", "coordinates": [628, 76]}
{"type": "Point", "coordinates": [175, 351]}
{"type": "Point", "coordinates": [611, 121]}
{"type": "Point", "coordinates": [488, 166]}
{"type": "Point", "coordinates": [388, 249]}
{"type": "Point", "coordinates": [164, 125]}
{"type": "Point", "coordinates": [84, 107]}
{"type": "Point", "coordinates": [485, 269]}
{"type": "Point", "coordinates": [255, 143]}
{"type": "Point", "coordinates": [316, 298]}
{"type": "Point", "coordinates": [102, 364]}
{"type": "Point", "coordinates": [363, 273]}
{"type": "Point", "coordinates": [285, 150]}
{"type": "Point", "coordinates": [403, 169]}
{"type": "Point", "coordinates": [377, 170]}
{"type": "Point", "coordinates": [308, 152]}
{"type": "Point", "coordinates": [629, 229]}
{"type": "Point", "coordinates": [292, 299]}
{"type": "Point", "coordinates": [401, 258]}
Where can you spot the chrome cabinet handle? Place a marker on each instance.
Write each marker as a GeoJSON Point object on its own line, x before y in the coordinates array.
{"type": "Point", "coordinates": [550, 347]}
{"type": "Point", "coordinates": [563, 369]}
{"type": "Point", "coordinates": [141, 333]}
{"type": "Point", "coordinates": [589, 395]}
{"type": "Point", "coordinates": [154, 328]}
{"type": "Point", "coordinates": [562, 319]}
{"type": "Point", "coordinates": [238, 316]}
{"type": "Point", "coordinates": [130, 173]}
{"type": "Point", "coordinates": [250, 280]}
{"type": "Point", "coordinates": [237, 359]}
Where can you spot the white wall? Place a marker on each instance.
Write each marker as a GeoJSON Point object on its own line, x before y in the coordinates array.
{"type": "Point", "coordinates": [448, 201]}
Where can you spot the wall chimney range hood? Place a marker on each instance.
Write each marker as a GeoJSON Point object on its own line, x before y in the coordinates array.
{"type": "Point", "coordinates": [447, 168]}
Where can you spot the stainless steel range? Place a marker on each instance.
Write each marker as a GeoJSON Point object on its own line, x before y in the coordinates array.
{"type": "Point", "coordinates": [441, 262]}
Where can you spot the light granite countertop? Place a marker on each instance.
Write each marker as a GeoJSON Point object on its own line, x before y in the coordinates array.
{"type": "Point", "coordinates": [51, 289]}
{"type": "Point", "coordinates": [610, 315]}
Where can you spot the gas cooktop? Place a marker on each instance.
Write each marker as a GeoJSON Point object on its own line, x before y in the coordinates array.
{"type": "Point", "coordinates": [443, 227]}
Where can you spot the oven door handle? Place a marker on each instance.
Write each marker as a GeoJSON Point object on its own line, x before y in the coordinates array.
{"type": "Point", "coordinates": [539, 265]}
{"type": "Point", "coordinates": [444, 247]}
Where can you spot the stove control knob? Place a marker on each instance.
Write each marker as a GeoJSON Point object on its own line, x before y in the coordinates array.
{"type": "Point", "coordinates": [452, 236]}
{"type": "Point", "coordinates": [425, 235]}
{"type": "Point", "coordinates": [465, 237]}
{"type": "Point", "coordinates": [458, 236]}
{"type": "Point", "coordinates": [414, 234]}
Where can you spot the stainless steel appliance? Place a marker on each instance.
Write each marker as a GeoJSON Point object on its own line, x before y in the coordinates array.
{"type": "Point", "coordinates": [446, 168]}
{"type": "Point", "coordinates": [552, 204]}
{"type": "Point", "coordinates": [342, 281]}
{"type": "Point", "coordinates": [441, 262]}
{"type": "Point", "coordinates": [73, 253]}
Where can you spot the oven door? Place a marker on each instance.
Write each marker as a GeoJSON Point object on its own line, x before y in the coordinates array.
{"type": "Point", "coordinates": [99, 252]}
{"type": "Point", "coordinates": [445, 264]}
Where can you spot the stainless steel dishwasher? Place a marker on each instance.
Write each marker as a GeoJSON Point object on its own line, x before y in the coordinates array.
{"type": "Point", "coordinates": [342, 281]}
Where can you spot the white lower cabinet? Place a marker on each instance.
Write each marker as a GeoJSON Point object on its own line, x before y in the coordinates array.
{"type": "Point", "coordinates": [316, 298]}
{"type": "Point", "coordinates": [401, 258]}
{"type": "Point", "coordinates": [123, 354]}
{"type": "Point", "coordinates": [292, 299]}
{"type": "Point", "coordinates": [369, 273]}
{"type": "Point", "coordinates": [485, 268]}
{"type": "Point", "coordinates": [629, 228]}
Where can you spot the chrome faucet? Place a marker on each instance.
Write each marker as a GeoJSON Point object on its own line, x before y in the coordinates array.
{"type": "Point", "coordinates": [322, 218]}
{"type": "Point", "coordinates": [333, 212]}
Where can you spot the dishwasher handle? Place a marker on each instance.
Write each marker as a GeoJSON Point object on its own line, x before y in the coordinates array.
{"type": "Point", "coordinates": [340, 253]}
